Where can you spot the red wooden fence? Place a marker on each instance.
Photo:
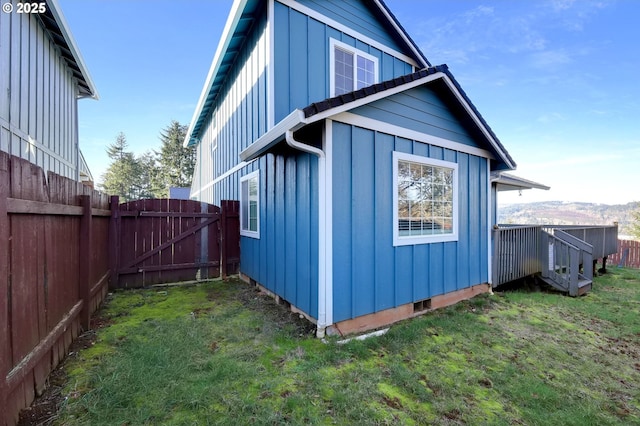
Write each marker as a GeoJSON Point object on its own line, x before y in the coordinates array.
{"type": "Point", "coordinates": [164, 240]}
{"type": "Point", "coordinates": [52, 275]}
{"type": "Point", "coordinates": [63, 244]}
{"type": "Point", "coordinates": [632, 258]}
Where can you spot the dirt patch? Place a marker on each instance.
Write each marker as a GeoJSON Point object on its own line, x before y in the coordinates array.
{"type": "Point", "coordinates": [44, 410]}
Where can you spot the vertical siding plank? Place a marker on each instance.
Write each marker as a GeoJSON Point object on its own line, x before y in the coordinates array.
{"type": "Point", "coordinates": [383, 230]}
{"type": "Point", "coordinates": [279, 229]}
{"type": "Point", "coordinates": [303, 235]}
{"type": "Point", "coordinates": [5, 69]}
{"type": "Point", "coordinates": [362, 221]}
{"type": "Point", "coordinates": [291, 249]}
{"type": "Point", "coordinates": [270, 222]}
{"type": "Point", "coordinates": [341, 222]}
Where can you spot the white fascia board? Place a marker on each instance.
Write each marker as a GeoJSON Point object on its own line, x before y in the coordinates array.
{"type": "Point", "coordinates": [292, 122]}
{"type": "Point", "coordinates": [232, 22]}
{"type": "Point", "coordinates": [375, 97]}
{"type": "Point", "coordinates": [56, 11]}
{"type": "Point", "coordinates": [503, 156]}
{"type": "Point", "coordinates": [402, 34]}
{"type": "Point", "coordinates": [391, 129]}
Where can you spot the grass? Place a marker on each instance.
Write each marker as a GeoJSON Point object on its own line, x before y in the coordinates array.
{"type": "Point", "coordinates": [221, 353]}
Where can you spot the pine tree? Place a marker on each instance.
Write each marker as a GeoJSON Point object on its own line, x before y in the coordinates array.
{"type": "Point", "coordinates": [176, 163]}
{"type": "Point", "coordinates": [123, 176]}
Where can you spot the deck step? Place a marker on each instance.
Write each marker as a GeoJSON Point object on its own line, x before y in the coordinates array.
{"type": "Point", "coordinates": [584, 286]}
{"type": "Point", "coordinates": [554, 284]}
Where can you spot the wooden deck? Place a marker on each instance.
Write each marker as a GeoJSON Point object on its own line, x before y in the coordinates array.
{"type": "Point", "coordinates": [563, 256]}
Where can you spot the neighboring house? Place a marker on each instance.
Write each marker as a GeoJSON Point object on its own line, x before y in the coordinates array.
{"type": "Point", "coordinates": [364, 173]}
{"type": "Point", "coordinates": [179, 193]}
{"type": "Point", "coordinates": [42, 76]}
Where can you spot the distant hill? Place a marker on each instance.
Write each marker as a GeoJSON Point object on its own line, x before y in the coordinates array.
{"type": "Point", "coordinates": [567, 213]}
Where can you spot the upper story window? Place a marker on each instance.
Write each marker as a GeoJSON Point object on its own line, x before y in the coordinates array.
{"type": "Point", "coordinates": [250, 205]}
{"type": "Point", "coordinates": [425, 200]}
{"type": "Point", "coordinates": [351, 69]}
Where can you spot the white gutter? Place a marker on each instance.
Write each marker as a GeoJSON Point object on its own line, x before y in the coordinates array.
{"type": "Point", "coordinates": [325, 318]}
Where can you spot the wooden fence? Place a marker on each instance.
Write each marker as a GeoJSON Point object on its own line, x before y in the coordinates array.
{"type": "Point", "coordinates": [60, 251]}
{"type": "Point", "coordinates": [628, 254]}
{"type": "Point", "coordinates": [166, 240]}
{"type": "Point", "coordinates": [53, 274]}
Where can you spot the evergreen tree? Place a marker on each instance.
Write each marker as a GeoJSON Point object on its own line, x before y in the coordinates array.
{"type": "Point", "coordinates": [175, 162]}
{"type": "Point", "coordinates": [122, 177]}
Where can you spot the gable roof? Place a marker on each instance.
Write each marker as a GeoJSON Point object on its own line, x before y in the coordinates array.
{"type": "Point", "coordinates": [332, 106]}
{"type": "Point", "coordinates": [241, 17]}
{"type": "Point", "coordinates": [56, 25]}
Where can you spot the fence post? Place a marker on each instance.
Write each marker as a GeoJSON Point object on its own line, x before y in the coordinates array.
{"type": "Point", "coordinates": [230, 237]}
{"type": "Point", "coordinates": [5, 354]}
{"type": "Point", "coordinates": [114, 241]}
{"type": "Point", "coordinates": [224, 206]}
{"type": "Point", "coordinates": [86, 247]}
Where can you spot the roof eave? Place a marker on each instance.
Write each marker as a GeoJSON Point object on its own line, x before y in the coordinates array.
{"type": "Point", "coordinates": [508, 182]}
{"type": "Point", "coordinates": [227, 34]}
{"type": "Point", "coordinates": [63, 26]}
{"type": "Point", "coordinates": [401, 31]}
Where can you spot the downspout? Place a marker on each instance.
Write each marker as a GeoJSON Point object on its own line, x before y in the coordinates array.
{"type": "Point", "coordinates": [322, 218]}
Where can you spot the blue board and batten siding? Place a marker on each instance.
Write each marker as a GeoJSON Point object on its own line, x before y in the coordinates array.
{"type": "Point", "coordinates": [370, 274]}
{"type": "Point", "coordinates": [301, 57]}
{"type": "Point", "coordinates": [238, 119]}
{"type": "Point", "coordinates": [285, 257]}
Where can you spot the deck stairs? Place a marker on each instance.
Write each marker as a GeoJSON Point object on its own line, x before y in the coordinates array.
{"type": "Point", "coordinates": [567, 264]}
{"type": "Point", "coordinates": [562, 257]}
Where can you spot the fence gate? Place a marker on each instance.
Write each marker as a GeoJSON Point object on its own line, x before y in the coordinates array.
{"type": "Point", "coordinates": [166, 240]}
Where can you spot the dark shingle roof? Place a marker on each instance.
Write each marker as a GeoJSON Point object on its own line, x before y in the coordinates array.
{"type": "Point", "coordinates": [336, 101]}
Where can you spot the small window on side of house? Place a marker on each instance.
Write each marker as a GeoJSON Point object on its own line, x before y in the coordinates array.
{"type": "Point", "coordinates": [425, 200]}
{"type": "Point", "coordinates": [350, 68]}
{"type": "Point", "coordinates": [250, 205]}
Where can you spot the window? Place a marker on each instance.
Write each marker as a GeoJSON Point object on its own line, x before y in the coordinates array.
{"type": "Point", "coordinates": [351, 69]}
{"type": "Point", "coordinates": [425, 200]}
{"type": "Point", "coordinates": [250, 205]}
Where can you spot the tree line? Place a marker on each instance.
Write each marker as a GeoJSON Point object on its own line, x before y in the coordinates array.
{"type": "Point", "coordinates": [151, 174]}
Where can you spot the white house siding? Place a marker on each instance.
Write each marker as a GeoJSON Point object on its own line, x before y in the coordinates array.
{"type": "Point", "coordinates": [38, 107]}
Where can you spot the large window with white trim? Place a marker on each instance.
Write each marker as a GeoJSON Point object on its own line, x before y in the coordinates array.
{"type": "Point", "coordinates": [425, 200]}
{"type": "Point", "coordinates": [351, 68]}
{"type": "Point", "coordinates": [250, 205]}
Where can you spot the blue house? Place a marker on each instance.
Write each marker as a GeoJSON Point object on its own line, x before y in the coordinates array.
{"type": "Point", "coordinates": [364, 173]}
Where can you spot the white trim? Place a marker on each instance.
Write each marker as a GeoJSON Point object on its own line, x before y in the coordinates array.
{"type": "Point", "coordinates": [270, 89]}
{"type": "Point", "coordinates": [423, 239]}
{"type": "Point", "coordinates": [375, 97]}
{"type": "Point", "coordinates": [326, 205]}
{"type": "Point", "coordinates": [403, 34]}
{"type": "Point", "coordinates": [479, 123]}
{"type": "Point", "coordinates": [489, 228]}
{"type": "Point", "coordinates": [247, 232]}
{"type": "Point", "coordinates": [222, 176]}
{"type": "Point", "coordinates": [337, 44]}
{"type": "Point", "coordinates": [349, 31]}
{"type": "Point", "coordinates": [383, 127]}
{"type": "Point", "coordinates": [290, 122]}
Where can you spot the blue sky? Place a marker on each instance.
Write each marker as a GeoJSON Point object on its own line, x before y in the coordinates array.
{"type": "Point", "coordinates": [557, 80]}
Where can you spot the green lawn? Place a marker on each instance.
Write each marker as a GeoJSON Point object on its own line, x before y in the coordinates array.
{"type": "Point", "coordinates": [221, 353]}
